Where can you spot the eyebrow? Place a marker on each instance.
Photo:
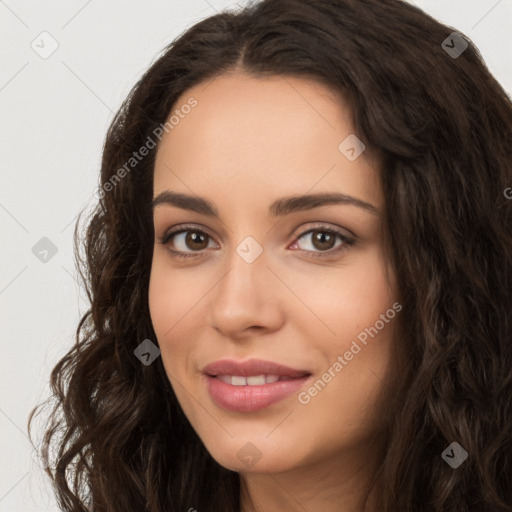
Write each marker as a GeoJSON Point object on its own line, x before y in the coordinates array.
{"type": "Point", "coordinates": [278, 208]}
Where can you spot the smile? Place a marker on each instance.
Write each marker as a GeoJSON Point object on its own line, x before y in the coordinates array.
{"type": "Point", "coordinates": [248, 386]}
{"type": "Point", "coordinates": [255, 380]}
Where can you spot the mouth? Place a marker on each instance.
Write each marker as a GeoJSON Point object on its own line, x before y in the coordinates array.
{"type": "Point", "coordinates": [252, 368]}
{"type": "Point", "coordinates": [253, 380]}
{"type": "Point", "coordinates": [252, 385]}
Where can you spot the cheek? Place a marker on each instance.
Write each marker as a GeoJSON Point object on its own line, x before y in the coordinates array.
{"type": "Point", "coordinates": [348, 300]}
{"type": "Point", "coordinates": [162, 299]}
{"type": "Point", "coordinates": [357, 308]}
{"type": "Point", "coordinates": [170, 299]}
{"type": "Point", "coordinates": [171, 295]}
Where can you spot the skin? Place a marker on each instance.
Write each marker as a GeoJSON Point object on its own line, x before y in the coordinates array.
{"type": "Point", "coordinates": [248, 142]}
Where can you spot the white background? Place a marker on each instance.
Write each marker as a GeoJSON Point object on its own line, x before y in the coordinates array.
{"type": "Point", "coordinates": [55, 113]}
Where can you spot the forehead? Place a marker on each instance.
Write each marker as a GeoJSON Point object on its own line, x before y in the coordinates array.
{"type": "Point", "coordinates": [262, 135]}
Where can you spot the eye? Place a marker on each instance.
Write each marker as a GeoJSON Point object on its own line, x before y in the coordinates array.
{"type": "Point", "coordinates": [189, 241]}
{"type": "Point", "coordinates": [191, 238]}
{"type": "Point", "coordinates": [321, 241]}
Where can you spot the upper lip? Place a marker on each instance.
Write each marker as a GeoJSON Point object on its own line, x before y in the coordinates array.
{"type": "Point", "coordinates": [251, 367]}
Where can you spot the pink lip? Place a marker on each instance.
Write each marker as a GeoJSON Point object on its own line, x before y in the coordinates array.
{"type": "Point", "coordinates": [251, 398]}
{"type": "Point", "coordinates": [251, 367]}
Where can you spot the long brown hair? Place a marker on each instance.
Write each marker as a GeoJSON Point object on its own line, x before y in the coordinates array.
{"type": "Point", "coordinates": [117, 439]}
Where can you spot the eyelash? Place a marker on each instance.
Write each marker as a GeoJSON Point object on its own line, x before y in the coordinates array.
{"type": "Point", "coordinates": [347, 242]}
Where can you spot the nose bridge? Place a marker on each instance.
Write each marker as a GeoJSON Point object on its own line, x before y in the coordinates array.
{"type": "Point", "coordinates": [243, 297]}
{"type": "Point", "coordinates": [247, 269]}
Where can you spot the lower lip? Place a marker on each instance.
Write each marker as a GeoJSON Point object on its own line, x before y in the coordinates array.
{"type": "Point", "coordinates": [251, 398]}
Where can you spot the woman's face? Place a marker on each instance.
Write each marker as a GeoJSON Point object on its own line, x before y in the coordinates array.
{"type": "Point", "coordinates": [300, 283]}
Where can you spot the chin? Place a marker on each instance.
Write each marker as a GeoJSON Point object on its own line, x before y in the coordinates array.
{"type": "Point", "coordinates": [253, 457]}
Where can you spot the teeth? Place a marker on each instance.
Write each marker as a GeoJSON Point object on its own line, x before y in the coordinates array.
{"type": "Point", "coordinates": [256, 380]}
{"type": "Point", "coordinates": [238, 381]}
{"type": "Point", "coordinates": [253, 380]}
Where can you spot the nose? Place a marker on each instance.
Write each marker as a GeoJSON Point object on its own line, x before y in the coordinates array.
{"type": "Point", "coordinates": [246, 299]}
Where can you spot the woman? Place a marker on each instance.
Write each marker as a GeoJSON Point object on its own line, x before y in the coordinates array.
{"type": "Point", "coordinates": [299, 273]}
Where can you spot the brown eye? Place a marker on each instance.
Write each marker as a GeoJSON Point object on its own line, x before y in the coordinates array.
{"type": "Point", "coordinates": [192, 242]}
{"type": "Point", "coordinates": [323, 240]}
{"type": "Point", "coordinates": [196, 240]}
{"type": "Point", "coordinates": [186, 242]}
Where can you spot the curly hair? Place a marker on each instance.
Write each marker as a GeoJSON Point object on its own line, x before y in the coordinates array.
{"type": "Point", "coordinates": [117, 439]}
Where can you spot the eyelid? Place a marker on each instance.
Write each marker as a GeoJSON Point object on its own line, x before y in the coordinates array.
{"type": "Point", "coordinates": [312, 226]}
{"type": "Point", "coordinates": [347, 240]}
{"type": "Point", "coordinates": [180, 228]}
